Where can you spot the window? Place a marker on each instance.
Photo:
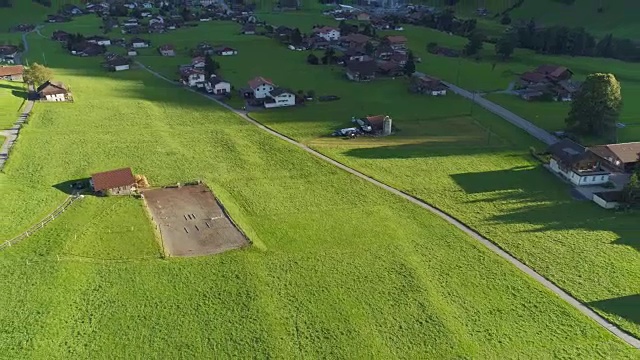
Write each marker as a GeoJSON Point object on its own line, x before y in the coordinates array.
{"type": "Point", "coordinates": [602, 178]}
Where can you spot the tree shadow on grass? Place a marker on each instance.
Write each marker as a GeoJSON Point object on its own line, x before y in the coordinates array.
{"type": "Point", "coordinates": [627, 307]}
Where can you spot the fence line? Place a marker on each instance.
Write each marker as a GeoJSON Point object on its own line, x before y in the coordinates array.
{"type": "Point", "coordinates": [42, 223]}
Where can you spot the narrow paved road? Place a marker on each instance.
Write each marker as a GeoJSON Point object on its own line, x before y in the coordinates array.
{"type": "Point", "coordinates": [11, 135]}
{"type": "Point", "coordinates": [516, 120]}
{"type": "Point", "coordinates": [491, 246]}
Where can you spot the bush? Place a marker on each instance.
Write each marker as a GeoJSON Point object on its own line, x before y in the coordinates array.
{"type": "Point", "coordinates": [506, 20]}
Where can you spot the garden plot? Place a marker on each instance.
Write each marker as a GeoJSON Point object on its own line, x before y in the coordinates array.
{"type": "Point", "coordinates": [191, 222]}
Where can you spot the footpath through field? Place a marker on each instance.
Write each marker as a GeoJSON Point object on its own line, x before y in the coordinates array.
{"type": "Point", "coordinates": [486, 242]}
{"type": "Point", "coordinates": [12, 134]}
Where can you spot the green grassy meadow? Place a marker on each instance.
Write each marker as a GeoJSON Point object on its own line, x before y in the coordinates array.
{"type": "Point", "coordinates": [12, 97]}
{"type": "Point", "coordinates": [339, 267]}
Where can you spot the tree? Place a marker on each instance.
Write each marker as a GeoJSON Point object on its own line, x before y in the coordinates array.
{"type": "Point", "coordinates": [329, 55]}
{"type": "Point", "coordinates": [367, 30]}
{"type": "Point", "coordinates": [409, 66]}
{"type": "Point", "coordinates": [476, 41]}
{"type": "Point", "coordinates": [210, 66]}
{"type": "Point", "coordinates": [313, 59]}
{"type": "Point", "coordinates": [37, 74]}
{"type": "Point", "coordinates": [506, 19]}
{"type": "Point", "coordinates": [505, 46]}
{"type": "Point", "coordinates": [596, 107]}
{"type": "Point", "coordinates": [631, 191]}
{"type": "Point", "coordinates": [369, 48]}
{"type": "Point", "coordinates": [296, 37]}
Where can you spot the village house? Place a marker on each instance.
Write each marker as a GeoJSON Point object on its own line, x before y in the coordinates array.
{"type": "Point", "coordinates": [204, 48]}
{"type": "Point", "coordinates": [397, 42]}
{"type": "Point", "coordinates": [361, 70]}
{"type": "Point", "coordinates": [132, 22]}
{"type": "Point", "coordinates": [248, 29]}
{"type": "Point", "coordinates": [389, 68]}
{"type": "Point", "coordinates": [156, 20]}
{"type": "Point", "coordinates": [577, 164]}
{"type": "Point", "coordinates": [363, 17]}
{"type": "Point", "coordinates": [114, 182]}
{"type": "Point", "coordinates": [192, 77]}
{"type": "Point", "coordinates": [198, 62]}
{"type": "Point", "coordinates": [261, 87]}
{"type": "Point", "coordinates": [315, 43]}
{"type": "Point", "coordinates": [86, 48]}
{"type": "Point", "coordinates": [356, 54]}
{"type": "Point", "coordinates": [100, 40]}
{"type": "Point", "coordinates": [8, 53]}
{"type": "Point", "coordinates": [328, 33]}
{"type": "Point", "coordinates": [554, 81]}
{"type": "Point", "coordinates": [279, 97]}
{"type": "Point", "coordinates": [117, 63]}
{"type": "Point", "coordinates": [618, 157]}
{"type": "Point", "coordinates": [12, 73]}
{"type": "Point", "coordinates": [429, 85]}
{"type": "Point", "coordinates": [226, 51]}
{"type": "Point", "coordinates": [218, 86]}
{"type": "Point", "coordinates": [354, 40]}
{"type": "Point", "coordinates": [167, 50]}
{"type": "Point", "coordinates": [60, 36]}
{"type": "Point", "coordinates": [283, 32]}
{"type": "Point", "coordinates": [57, 19]}
{"type": "Point", "coordinates": [137, 43]}
{"type": "Point", "coordinates": [53, 91]}
{"type": "Point", "coordinates": [132, 52]}
{"type": "Point", "coordinates": [147, 5]}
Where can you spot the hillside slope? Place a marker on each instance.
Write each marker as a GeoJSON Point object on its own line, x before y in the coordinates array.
{"type": "Point", "coordinates": [27, 11]}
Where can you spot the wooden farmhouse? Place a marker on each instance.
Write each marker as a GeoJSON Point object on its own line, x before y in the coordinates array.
{"type": "Point", "coordinates": [114, 182]}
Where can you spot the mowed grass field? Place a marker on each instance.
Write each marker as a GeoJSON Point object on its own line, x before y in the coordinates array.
{"type": "Point", "coordinates": [339, 267]}
{"type": "Point", "coordinates": [456, 156]}
{"type": "Point", "coordinates": [12, 98]}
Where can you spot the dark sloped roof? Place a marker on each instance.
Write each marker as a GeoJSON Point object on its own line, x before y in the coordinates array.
{"type": "Point", "coordinates": [362, 67]}
{"type": "Point", "coordinates": [52, 88]}
{"type": "Point", "coordinates": [567, 151]}
{"type": "Point", "coordinates": [112, 179]}
{"type": "Point", "coordinates": [279, 91]}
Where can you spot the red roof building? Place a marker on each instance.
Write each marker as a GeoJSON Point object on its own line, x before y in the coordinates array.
{"type": "Point", "coordinates": [116, 182]}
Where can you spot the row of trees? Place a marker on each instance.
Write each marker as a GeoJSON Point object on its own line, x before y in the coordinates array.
{"type": "Point", "coordinates": [5, 4]}
{"type": "Point", "coordinates": [562, 40]}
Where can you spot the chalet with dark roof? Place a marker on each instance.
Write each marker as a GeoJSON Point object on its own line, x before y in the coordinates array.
{"type": "Point", "coordinates": [577, 164]}
{"type": "Point", "coordinates": [361, 70]}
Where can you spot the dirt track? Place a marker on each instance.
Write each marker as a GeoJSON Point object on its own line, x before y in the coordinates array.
{"type": "Point", "coordinates": [191, 222]}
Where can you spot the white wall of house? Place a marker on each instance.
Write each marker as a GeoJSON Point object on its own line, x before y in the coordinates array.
{"type": "Point", "coordinates": [439, 92]}
{"type": "Point", "coordinates": [262, 91]}
{"type": "Point", "coordinates": [330, 35]}
{"type": "Point", "coordinates": [140, 45]}
{"type": "Point", "coordinates": [285, 99]}
{"type": "Point", "coordinates": [56, 97]}
{"type": "Point", "coordinates": [579, 179]}
{"type": "Point", "coordinates": [132, 53]}
{"type": "Point", "coordinates": [228, 52]}
{"type": "Point", "coordinates": [222, 88]}
{"type": "Point", "coordinates": [121, 67]}
{"type": "Point", "coordinates": [195, 79]}
{"type": "Point", "coordinates": [106, 42]}
{"type": "Point", "coordinates": [604, 203]}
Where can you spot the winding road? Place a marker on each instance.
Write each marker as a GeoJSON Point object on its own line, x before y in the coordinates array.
{"type": "Point", "coordinates": [450, 219]}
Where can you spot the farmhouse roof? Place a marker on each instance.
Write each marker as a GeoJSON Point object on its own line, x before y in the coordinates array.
{"type": "Point", "coordinates": [324, 30]}
{"type": "Point", "coordinates": [567, 151]}
{"type": "Point", "coordinates": [553, 71]}
{"type": "Point", "coordinates": [167, 47]}
{"type": "Point", "coordinates": [8, 49]}
{"type": "Point", "coordinates": [112, 179]}
{"type": "Point", "coordinates": [627, 153]}
{"type": "Point", "coordinates": [11, 70]}
{"type": "Point", "coordinates": [118, 61]}
{"type": "Point", "coordinates": [52, 88]}
{"type": "Point", "coordinates": [533, 77]}
{"type": "Point", "coordinates": [362, 67]}
{"type": "Point", "coordinates": [388, 65]}
{"type": "Point", "coordinates": [217, 80]}
{"type": "Point", "coordinates": [254, 83]}
{"type": "Point", "coordinates": [396, 39]}
{"type": "Point", "coordinates": [356, 38]}
{"type": "Point", "coordinates": [376, 122]}
{"type": "Point", "coordinates": [97, 38]}
{"type": "Point", "coordinates": [138, 40]}
{"type": "Point", "coordinates": [279, 91]}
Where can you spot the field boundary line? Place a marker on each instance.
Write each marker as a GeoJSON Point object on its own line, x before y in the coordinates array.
{"type": "Point", "coordinates": [575, 303]}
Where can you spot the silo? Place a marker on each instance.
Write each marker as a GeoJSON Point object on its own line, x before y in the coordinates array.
{"type": "Point", "coordinates": [386, 126]}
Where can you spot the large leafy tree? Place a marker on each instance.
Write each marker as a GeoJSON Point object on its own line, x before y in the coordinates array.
{"type": "Point", "coordinates": [475, 43]}
{"type": "Point", "coordinates": [505, 46]}
{"type": "Point", "coordinates": [37, 74]}
{"type": "Point", "coordinates": [410, 65]}
{"type": "Point", "coordinates": [596, 107]}
{"type": "Point", "coordinates": [210, 66]}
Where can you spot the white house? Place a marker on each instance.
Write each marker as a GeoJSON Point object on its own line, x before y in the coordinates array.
{"type": "Point", "coordinates": [120, 67]}
{"type": "Point", "coordinates": [99, 40]}
{"type": "Point", "coordinates": [131, 22]}
{"type": "Point", "coordinates": [156, 20]}
{"type": "Point", "coordinates": [130, 6]}
{"type": "Point", "coordinates": [227, 51]}
{"type": "Point", "coordinates": [197, 62]}
{"type": "Point", "coordinates": [280, 97]}
{"type": "Point", "coordinates": [577, 164]}
{"type": "Point", "coordinates": [147, 5]}
{"type": "Point", "coordinates": [328, 33]}
{"type": "Point", "coordinates": [261, 87]}
{"type": "Point", "coordinates": [132, 52]}
{"type": "Point", "coordinates": [193, 77]}
{"type": "Point", "coordinates": [52, 91]}
{"type": "Point", "coordinates": [218, 86]}
{"type": "Point", "coordinates": [139, 43]}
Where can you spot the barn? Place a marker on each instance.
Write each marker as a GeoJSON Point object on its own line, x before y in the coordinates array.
{"type": "Point", "coordinates": [114, 182]}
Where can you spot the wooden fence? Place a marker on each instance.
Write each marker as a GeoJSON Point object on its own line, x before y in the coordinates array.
{"type": "Point", "coordinates": [52, 216]}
